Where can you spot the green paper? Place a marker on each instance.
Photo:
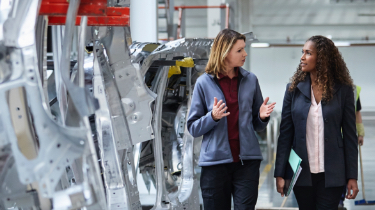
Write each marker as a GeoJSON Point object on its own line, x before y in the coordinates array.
{"type": "Point", "coordinates": [295, 163]}
{"type": "Point", "coordinates": [294, 160]}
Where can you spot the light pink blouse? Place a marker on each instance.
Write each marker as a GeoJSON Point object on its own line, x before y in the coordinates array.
{"type": "Point", "coordinates": [315, 136]}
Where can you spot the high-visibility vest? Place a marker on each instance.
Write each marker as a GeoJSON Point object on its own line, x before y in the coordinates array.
{"type": "Point", "coordinates": [357, 90]}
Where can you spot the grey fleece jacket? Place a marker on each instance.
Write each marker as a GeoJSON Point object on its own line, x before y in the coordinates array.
{"type": "Point", "coordinates": [215, 147]}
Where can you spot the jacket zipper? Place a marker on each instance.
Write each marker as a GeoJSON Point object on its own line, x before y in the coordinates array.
{"type": "Point", "coordinates": [241, 159]}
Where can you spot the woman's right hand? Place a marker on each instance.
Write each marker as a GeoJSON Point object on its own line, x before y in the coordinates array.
{"type": "Point", "coordinates": [218, 110]}
{"type": "Point", "coordinates": [280, 182]}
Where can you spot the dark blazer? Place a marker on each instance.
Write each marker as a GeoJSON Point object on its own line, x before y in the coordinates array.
{"type": "Point", "coordinates": [340, 139]}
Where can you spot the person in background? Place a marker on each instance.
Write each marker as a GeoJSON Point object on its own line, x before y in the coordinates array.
{"type": "Point", "coordinates": [358, 115]}
{"type": "Point", "coordinates": [360, 130]}
{"type": "Point", "coordinates": [318, 105]}
{"type": "Point", "coordinates": [227, 108]}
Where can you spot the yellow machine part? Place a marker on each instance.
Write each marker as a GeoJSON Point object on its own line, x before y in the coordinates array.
{"type": "Point", "coordinates": [186, 62]}
{"type": "Point", "coordinates": [174, 70]}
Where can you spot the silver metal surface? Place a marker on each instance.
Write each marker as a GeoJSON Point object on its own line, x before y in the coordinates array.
{"type": "Point", "coordinates": [60, 90]}
{"type": "Point", "coordinates": [22, 15]}
{"type": "Point", "coordinates": [188, 176]}
{"type": "Point", "coordinates": [135, 96]}
{"type": "Point", "coordinates": [13, 193]}
{"type": "Point", "coordinates": [174, 178]}
{"type": "Point", "coordinates": [41, 47]}
{"type": "Point", "coordinates": [58, 146]}
{"type": "Point", "coordinates": [195, 48]}
{"type": "Point", "coordinates": [5, 8]}
{"type": "Point", "coordinates": [162, 200]}
{"type": "Point", "coordinates": [84, 103]}
{"type": "Point", "coordinates": [103, 123]}
{"type": "Point", "coordinates": [117, 162]}
{"type": "Point", "coordinates": [81, 52]}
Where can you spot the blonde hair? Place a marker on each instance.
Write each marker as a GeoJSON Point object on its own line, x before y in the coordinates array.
{"type": "Point", "coordinates": [223, 43]}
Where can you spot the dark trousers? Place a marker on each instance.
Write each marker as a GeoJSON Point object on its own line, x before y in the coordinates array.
{"type": "Point", "coordinates": [219, 182]}
{"type": "Point", "coordinates": [342, 199]}
{"type": "Point", "coordinates": [317, 196]}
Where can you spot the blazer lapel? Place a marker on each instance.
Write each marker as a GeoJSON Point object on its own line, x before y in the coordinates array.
{"type": "Point", "coordinates": [305, 87]}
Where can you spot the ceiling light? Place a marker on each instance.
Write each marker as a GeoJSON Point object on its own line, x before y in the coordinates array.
{"type": "Point", "coordinates": [260, 45]}
{"type": "Point", "coordinates": [342, 44]}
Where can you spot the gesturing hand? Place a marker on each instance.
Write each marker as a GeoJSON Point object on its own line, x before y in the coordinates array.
{"type": "Point", "coordinates": [218, 111]}
{"type": "Point", "coordinates": [265, 110]}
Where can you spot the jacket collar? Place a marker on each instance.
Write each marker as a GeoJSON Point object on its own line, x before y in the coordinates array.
{"type": "Point", "coordinates": [305, 86]}
{"type": "Point", "coordinates": [241, 73]}
{"type": "Point", "coordinates": [235, 74]}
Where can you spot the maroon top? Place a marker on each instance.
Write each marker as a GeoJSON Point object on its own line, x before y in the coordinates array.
{"type": "Point", "coordinates": [230, 90]}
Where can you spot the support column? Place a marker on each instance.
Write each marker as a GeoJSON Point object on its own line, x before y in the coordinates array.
{"type": "Point", "coordinates": [144, 20]}
{"type": "Point", "coordinates": [213, 18]}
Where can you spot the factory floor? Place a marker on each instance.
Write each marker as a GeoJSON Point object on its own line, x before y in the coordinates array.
{"type": "Point", "coordinates": [269, 198]}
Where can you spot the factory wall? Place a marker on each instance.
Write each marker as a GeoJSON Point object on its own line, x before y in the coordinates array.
{"type": "Point", "coordinates": [274, 66]}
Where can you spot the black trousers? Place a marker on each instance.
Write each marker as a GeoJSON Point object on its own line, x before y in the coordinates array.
{"type": "Point", "coordinates": [317, 196]}
{"type": "Point", "coordinates": [220, 182]}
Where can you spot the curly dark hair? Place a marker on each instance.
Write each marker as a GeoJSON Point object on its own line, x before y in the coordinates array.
{"type": "Point", "coordinates": [331, 68]}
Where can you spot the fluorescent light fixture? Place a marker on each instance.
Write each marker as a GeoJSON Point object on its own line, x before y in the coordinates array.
{"type": "Point", "coordinates": [342, 44]}
{"type": "Point", "coordinates": [260, 45]}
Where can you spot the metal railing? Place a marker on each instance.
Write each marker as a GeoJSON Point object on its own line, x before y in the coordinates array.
{"type": "Point", "coordinates": [273, 130]}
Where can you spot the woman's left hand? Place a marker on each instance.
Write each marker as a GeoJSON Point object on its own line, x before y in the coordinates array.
{"type": "Point", "coordinates": [352, 186]}
{"type": "Point", "coordinates": [265, 110]}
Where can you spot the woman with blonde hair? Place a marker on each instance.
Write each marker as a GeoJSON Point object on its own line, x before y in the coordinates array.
{"type": "Point", "coordinates": [227, 108]}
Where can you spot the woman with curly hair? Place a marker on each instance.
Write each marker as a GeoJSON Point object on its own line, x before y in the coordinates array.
{"type": "Point", "coordinates": [318, 122]}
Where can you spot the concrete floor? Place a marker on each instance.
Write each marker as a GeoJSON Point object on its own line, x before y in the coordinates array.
{"type": "Point", "coordinates": [269, 198]}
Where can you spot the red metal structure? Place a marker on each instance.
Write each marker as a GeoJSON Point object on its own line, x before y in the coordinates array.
{"type": "Point", "coordinates": [97, 12]}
